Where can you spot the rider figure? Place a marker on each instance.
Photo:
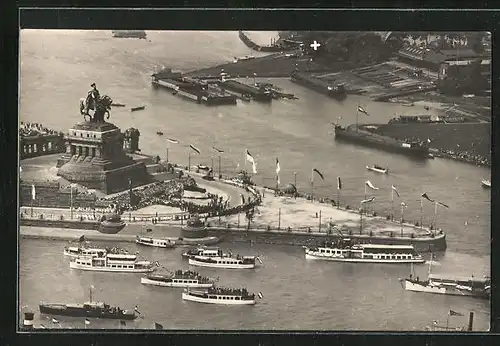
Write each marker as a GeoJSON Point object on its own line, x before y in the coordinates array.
{"type": "Point", "coordinates": [92, 97]}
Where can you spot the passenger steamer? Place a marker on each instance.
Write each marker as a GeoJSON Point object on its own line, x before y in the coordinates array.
{"type": "Point", "coordinates": [345, 251]}
{"type": "Point", "coordinates": [112, 263]}
{"type": "Point", "coordinates": [180, 278]}
{"type": "Point", "coordinates": [148, 241]}
{"type": "Point", "coordinates": [441, 284]}
{"type": "Point", "coordinates": [223, 296]}
{"type": "Point", "coordinates": [205, 252]}
{"type": "Point", "coordinates": [90, 250]}
{"type": "Point", "coordinates": [238, 262]}
{"type": "Point", "coordinates": [88, 309]}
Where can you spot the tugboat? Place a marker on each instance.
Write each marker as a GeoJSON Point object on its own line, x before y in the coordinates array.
{"type": "Point", "coordinates": [223, 296]}
{"type": "Point", "coordinates": [345, 251]}
{"type": "Point", "coordinates": [378, 169]}
{"type": "Point", "coordinates": [148, 241]}
{"type": "Point", "coordinates": [180, 278]}
{"type": "Point", "coordinates": [238, 262]}
{"type": "Point", "coordinates": [113, 263]}
{"type": "Point", "coordinates": [88, 309]}
{"type": "Point", "coordinates": [441, 284]}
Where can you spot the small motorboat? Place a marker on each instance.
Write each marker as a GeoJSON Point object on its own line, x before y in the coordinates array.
{"type": "Point", "coordinates": [117, 105]}
{"type": "Point", "coordinates": [486, 183]}
{"type": "Point", "coordinates": [137, 108]}
{"type": "Point", "coordinates": [378, 169]}
{"type": "Point", "coordinates": [159, 133]}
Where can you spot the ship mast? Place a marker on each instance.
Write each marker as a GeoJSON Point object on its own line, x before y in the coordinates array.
{"type": "Point", "coordinates": [90, 290]}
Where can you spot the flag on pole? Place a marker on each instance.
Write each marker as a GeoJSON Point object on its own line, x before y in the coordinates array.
{"type": "Point", "coordinates": [339, 184]}
{"type": "Point", "coordinates": [250, 157]}
{"type": "Point", "coordinates": [260, 295]}
{"type": "Point", "coordinates": [158, 326]}
{"type": "Point", "coordinates": [442, 204]}
{"type": "Point", "coordinates": [403, 205]}
{"type": "Point", "coordinates": [136, 309]}
{"type": "Point", "coordinates": [395, 190]}
{"type": "Point", "coordinates": [369, 200]}
{"type": "Point", "coordinates": [82, 238]}
{"type": "Point", "coordinates": [171, 140]}
{"type": "Point", "coordinates": [319, 173]}
{"type": "Point", "coordinates": [33, 192]}
{"type": "Point", "coordinates": [370, 185]}
{"type": "Point", "coordinates": [194, 148]}
{"type": "Point", "coordinates": [218, 150]}
{"type": "Point", "coordinates": [54, 320]}
{"type": "Point", "coordinates": [122, 323]}
{"type": "Point", "coordinates": [157, 263]}
{"type": "Point", "coordinates": [454, 313]}
{"type": "Point", "coordinates": [87, 322]}
{"type": "Point", "coordinates": [362, 110]}
{"type": "Point", "coordinates": [424, 195]}
{"type": "Point", "coordinates": [42, 326]}
{"type": "Point", "coordinates": [252, 160]}
{"type": "Point", "coordinates": [278, 168]}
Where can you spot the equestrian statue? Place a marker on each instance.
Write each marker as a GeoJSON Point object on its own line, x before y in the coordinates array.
{"type": "Point", "coordinates": [100, 105]}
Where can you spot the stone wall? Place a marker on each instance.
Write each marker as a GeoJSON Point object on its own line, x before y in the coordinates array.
{"type": "Point", "coordinates": [89, 225]}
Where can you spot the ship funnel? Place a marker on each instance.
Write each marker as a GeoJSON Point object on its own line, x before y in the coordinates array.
{"type": "Point", "coordinates": [471, 320]}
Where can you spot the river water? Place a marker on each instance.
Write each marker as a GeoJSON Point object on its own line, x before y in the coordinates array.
{"type": "Point", "coordinates": [57, 68]}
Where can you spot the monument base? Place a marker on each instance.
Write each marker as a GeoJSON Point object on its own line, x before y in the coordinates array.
{"type": "Point", "coordinates": [107, 181]}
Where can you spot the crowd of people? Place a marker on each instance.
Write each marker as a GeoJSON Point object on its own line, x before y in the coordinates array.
{"type": "Point", "coordinates": [27, 129]}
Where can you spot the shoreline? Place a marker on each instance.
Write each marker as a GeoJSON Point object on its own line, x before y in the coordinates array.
{"type": "Point", "coordinates": [303, 229]}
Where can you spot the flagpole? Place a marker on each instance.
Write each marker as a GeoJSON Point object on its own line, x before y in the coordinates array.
{"type": "Point", "coordinates": [361, 218]}
{"type": "Point", "coordinates": [338, 195]}
{"type": "Point", "coordinates": [189, 160]}
{"type": "Point", "coordinates": [279, 218]}
{"type": "Point", "coordinates": [245, 160]}
{"type": "Point", "coordinates": [312, 185]}
{"type": "Point", "coordinates": [447, 320]}
{"type": "Point", "coordinates": [364, 208]}
{"type": "Point", "coordinates": [295, 184]}
{"type": "Point", "coordinates": [319, 227]}
{"type": "Point", "coordinates": [421, 213]}
{"type": "Point", "coordinates": [435, 213]}
{"type": "Point", "coordinates": [402, 218]}
{"type": "Point", "coordinates": [219, 167]}
{"type": "Point", "coordinates": [167, 154]}
{"type": "Point", "coordinates": [357, 115]}
{"type": "Point", "coordinates": [392, 203]}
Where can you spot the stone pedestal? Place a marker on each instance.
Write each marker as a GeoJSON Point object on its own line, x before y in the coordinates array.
{"type": "Point", "coordinates": [95, 158]}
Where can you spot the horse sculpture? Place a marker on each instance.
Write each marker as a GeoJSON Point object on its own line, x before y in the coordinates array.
{"type": "Point", "coordinates": [100, 106]}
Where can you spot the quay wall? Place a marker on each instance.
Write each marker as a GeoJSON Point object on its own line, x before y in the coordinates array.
{"type": "Point", "coordinates": [436, 243]}
{"type": "Point", "coordinates": [70, 224]}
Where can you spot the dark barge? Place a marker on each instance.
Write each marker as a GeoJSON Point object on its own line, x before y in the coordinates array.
{"type": "Point", "coordinates": [355, 134]}
{"type": "Point", "coordinates": [336, 91]}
